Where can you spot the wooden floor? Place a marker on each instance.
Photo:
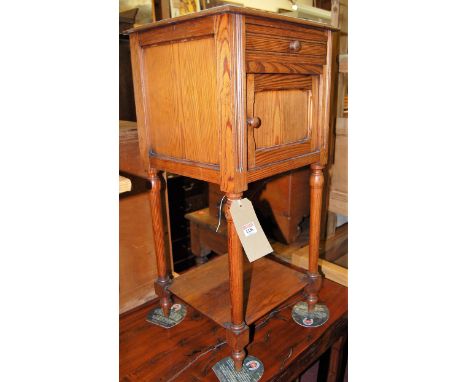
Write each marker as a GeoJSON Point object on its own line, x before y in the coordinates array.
{"type": "Point", "coordinates": [188, 351]}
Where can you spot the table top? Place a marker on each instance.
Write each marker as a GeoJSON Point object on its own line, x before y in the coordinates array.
{"type": "Point", "coordinates": [188, 351]}
{"type": "Point", "coordinates": [233, 9]}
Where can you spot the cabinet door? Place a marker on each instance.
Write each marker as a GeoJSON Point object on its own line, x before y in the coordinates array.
{"type": "Point", "coordinates": [283, 112]}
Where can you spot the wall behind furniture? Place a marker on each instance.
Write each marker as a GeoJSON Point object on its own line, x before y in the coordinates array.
{"type": "Point", "coordinates": [144, 14]}
{"type": "Point", "coordinates": [271, 5]}
{"type": "Point", "coordinates": [144, 6]}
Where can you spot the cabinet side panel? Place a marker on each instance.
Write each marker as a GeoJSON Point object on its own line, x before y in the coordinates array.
{"type": "Point", "coordinates": [181, 87]}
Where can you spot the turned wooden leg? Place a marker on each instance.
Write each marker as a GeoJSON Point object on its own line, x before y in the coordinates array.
{"type": "Point", "coordinates": [314, 278]}
{"type": "Point", "coordinates": [237, 334]}
{"type": "Point", "coordinates": [163, 280]}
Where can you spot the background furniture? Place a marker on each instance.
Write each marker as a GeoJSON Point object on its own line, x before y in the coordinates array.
{"type": "Point", "coordinates": [126, 97]}
{"type": "Point", "coordinates": [281, 203]}
{"type": "Point", "coordinates": [205, 239]}
{"type": "Point", "coordinates": [335, 231]}
{"type": "Point", "coordinates": [136, 248]}
{"type": "Point", "coordinates": [338, 195]}
{"type": "Point", "coordinates": [137, 264]}
{"type": "Point", "coordinates": [184, 196]}
{"type": "Point", "coordinates": [231, 96]}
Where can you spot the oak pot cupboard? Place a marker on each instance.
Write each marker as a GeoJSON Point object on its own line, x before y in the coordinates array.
{"type": "Point", "coordinates": [232, 95]}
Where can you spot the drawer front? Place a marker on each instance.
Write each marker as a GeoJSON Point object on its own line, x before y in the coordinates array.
{"type": "Point", "coordinates": [283, 49]}
{"type": "Point", "coordinates": [301, 49]}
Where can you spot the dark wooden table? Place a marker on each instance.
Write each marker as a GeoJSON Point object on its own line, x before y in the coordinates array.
{"type": "Point", "coordinates": [188, 351]}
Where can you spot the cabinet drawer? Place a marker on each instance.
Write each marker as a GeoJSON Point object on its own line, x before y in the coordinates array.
{"type": "Point", "coordinates": [279, 50]}
{"type": "Point", "coordinates": [301, 49]}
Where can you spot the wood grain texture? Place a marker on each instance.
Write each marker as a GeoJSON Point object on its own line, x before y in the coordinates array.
{"type": "Point", "coordinates": [187, 138]}
{"type": "Point", "coordinates": [266, 285]}
{"type": "Point", "coordinates": [137, 262]}
{"type": "Point", "coordinates": [182, 31]}
{"type": "Point", "coordinates": [187, 168]}
{"type": "Point", "coordinates": [327, 94]}
{"type": "Point", "coordinates": [269, 63]}
{"type": "Point", "coordinates": [236, 261]}
{"type": "Point", "coordinates": [233, 56]}
{"type": "Point", "coordinates": [279, 153]}
{"type": "Point", "coordinates": [314, 116]}
{"type": "Point", "coordinates": [289, 107]}
{"type": "Point", "coordinates": [282, 166]}
{"type": "Point", "coordinates": [230, 79]}
{"type": "Point", "coordinates": [316, 188]}
{"type": "Point", "coordinates": [188, 351]}
{"type": "Point", "coordinates": [315, 279]}
{"type": "Point", "coordinates": [140, 102]}
{"type": "Point", "coordinates": [269, 50]}
{"type": "Point", "coordinates": [269, 43]}
{"type": "Point", "coordinates": [182, 78]}
{"type": "Point", "coordinates": [285, 58]}
{"type": "Point", "coordinates": [163, 274]}
{"type": "Point", "coordinates": [284, 117]}
{"type": "Point", "coordinates": [264, 82]}
{"type": "Point", "coordinates": [285, 104]}
{"type": "Point", "coordinates": [255, 25]}
{"type": "Point", "coordinates": [250, 89]}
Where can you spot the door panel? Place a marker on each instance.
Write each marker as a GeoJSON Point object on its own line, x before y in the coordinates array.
{"type": "Point", "coordinates": [284, 117]}
{"type": "Point", "coordinates": [288, 108]}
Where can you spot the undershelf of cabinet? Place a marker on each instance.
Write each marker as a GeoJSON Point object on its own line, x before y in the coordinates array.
{"type": "Point", "coordinates": [267, 284]}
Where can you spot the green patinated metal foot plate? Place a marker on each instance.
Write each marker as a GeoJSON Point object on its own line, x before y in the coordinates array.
{"type": "Point", "coordinates": [176, 315]}
{"type": "Point", "coordinates": [317, 317]}
{"type": "Point", "coordinates": [251, 371]}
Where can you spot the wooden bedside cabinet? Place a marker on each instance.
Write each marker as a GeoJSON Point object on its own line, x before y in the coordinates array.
{"type": "Point", "coordinates": [232, 95]}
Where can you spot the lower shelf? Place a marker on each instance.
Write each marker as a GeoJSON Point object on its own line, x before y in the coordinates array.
{"type": "Point", "coordinates": [267, 284]}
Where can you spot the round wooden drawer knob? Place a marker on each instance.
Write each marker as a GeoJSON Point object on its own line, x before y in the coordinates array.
{"type": "Point", "coordinates": [295, 46]}
{"type": "Point", "coordinates": [254, 122]}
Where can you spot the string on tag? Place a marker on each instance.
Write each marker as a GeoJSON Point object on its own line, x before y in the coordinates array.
{"type": "Point", "coordinates": [219, 212]}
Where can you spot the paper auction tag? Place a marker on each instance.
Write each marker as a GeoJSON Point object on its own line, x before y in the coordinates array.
{"type": "Point", "coordinates": [249, 230]}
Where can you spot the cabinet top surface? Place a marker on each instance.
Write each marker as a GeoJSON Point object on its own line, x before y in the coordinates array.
{"type": "Point", "coordinates": [233, 10]}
